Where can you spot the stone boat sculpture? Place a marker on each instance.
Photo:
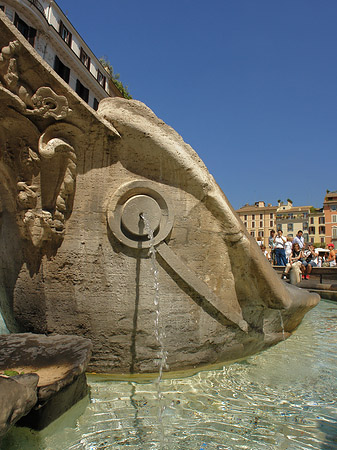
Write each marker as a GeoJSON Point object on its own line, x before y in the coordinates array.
{"type": "Point", "coordinates": [74, 249]}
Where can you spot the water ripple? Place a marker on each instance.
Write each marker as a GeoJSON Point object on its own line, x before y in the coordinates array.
{"type": "Point", "coordinates": [281, 399]}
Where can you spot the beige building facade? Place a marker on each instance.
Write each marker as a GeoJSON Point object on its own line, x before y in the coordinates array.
{"type": "Point", "coordinates": [259, 219]}
{"type": "Point", "coordinates": [317, 227]}
{"type": "Point", "coordinates": [291, 219]}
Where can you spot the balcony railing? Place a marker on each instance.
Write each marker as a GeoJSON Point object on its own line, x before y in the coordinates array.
{"type": "Point", "coordinates": [38, 6]}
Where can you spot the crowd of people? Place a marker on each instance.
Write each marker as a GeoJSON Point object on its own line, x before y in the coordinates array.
{"type": "Point", "coordinates": [295, 253]}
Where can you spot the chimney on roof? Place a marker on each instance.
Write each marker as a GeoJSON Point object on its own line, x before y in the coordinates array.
{"type": "Point", "coordinates": [260, 204]}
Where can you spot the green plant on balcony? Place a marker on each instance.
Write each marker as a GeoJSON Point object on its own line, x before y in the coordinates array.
{"type": "Point", "coordinates": [114, 77]}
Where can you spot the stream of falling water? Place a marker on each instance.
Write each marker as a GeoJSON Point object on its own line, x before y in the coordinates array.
{"type": "Point", "coordinates": [159, 330]}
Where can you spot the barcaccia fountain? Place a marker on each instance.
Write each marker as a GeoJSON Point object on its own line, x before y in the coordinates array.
{"type": "Point", "coordinates": [74, 184]}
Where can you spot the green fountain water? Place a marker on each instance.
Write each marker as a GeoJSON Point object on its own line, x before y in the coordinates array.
{"type": "Point", "coordinates": [283, 398]}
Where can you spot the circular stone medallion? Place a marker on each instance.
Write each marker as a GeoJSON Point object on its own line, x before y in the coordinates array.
{"type": "Point", "coordinates": [127, 207]}
{"type": "Point", "coordinates": [133, 210]}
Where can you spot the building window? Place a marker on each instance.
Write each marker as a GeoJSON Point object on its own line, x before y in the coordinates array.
{"type": "Point", "coordinates": [334, 218]}
{"type": "Point", "coordinates": [253, 216]}
{"type": "Point", "coordinates": [28, 32]}
{"type": "Point", "coordinates": [253, 224]}
{"type": "Point", "coordinates": [333, 207]}
{"type": "Point", "coordinates": [321, 220]}
{"type": "Point", "coordinates": [321, 230]}
{"type": "Point", "coordinates": [311, 220]}
{"type": "Point", "coordinates": [245, 216]}
{"type": "Point", "coordinates": [95, 104]}
{"type": "Point", "coordinates": [261, 224]}
{"type": "Point", "coordinates": [61, 69]}
{"type": "Point", "coordinates": [65, 34]}
{"type": "Point", "coordinates": [82, 91]}
{"type": "Point", "coordinates": [322, 240]}
{"type": "Point", "coordinates": [271, 223]}
{"type": "Point", "coordinates": [261, 216]}
{"type": "Point", "coordinates": [261, 233]}
{"type": "Point", "coordinates": [271, 215]}
{"type": "Point", "coordinates": [305, 225]}
{"type": "Point", "coordinates": [290, 227]}
{"type": "Point", "coordinates": [85, 59]}
{"type": "Point", "coordinates": [101, 79]}
{"type": "Point", "coordinates": [334, 232]}
{"type": "Point", "coordinates": [252, 233]}
{"type": "Point", "coordinates": [312, 230]}
{"type": "Point", "coordinates": [245, 224]}
{"type": "Point", "coordinates": [312, 240]}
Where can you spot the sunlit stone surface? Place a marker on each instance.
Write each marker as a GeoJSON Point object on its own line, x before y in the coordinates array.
{"type": "Point", "coordinates": [73, 253]}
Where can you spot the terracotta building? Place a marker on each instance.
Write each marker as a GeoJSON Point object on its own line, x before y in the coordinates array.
{"type": "Point", "coordinates": [54, 38]}
{"type": "Point", "coordinates": [330, 213]}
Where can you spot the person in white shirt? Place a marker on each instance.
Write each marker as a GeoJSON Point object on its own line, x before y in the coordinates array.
{"type": "Point", "coordinates": [299, 239]}
{"type": "Point", "coordinates": [288, 247]}
{"type": "Point", "coordinates": [279, 241]}
{"type": "Point", "coordinates": [259, 241]}
{"type": "Point", "coordinates": [265, 252]}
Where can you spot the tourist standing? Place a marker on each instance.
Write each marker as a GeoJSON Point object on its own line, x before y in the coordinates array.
{"type": "Point", "coordinates": [272, 247]}
{"type": "Point", "coordinates": [299, 239]}
{"type": "Point", "coordinates": [280, 254]}
{"type": "Point", "coordinates": [288, 246]}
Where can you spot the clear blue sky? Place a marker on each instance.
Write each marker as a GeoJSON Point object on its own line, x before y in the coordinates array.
{"type": "Point", "coordinates": [251, 85]}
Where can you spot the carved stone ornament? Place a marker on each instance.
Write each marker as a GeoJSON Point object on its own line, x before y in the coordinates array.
{"type": "Point", "coordinates": [44, 102]}
{"type": "Point", "coordinates": [45, 167]}
{"type": "Point", "coordinates": [48, 104]}
{"type": "Point", "coordinates": [45, 186]}
{"type": "Point", "coordinates": [45, 206]}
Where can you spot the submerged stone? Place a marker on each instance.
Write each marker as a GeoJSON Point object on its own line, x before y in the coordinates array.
{"type": "Point", "coordinates": [18, 395]}
{"type": "Point", "coordinates": [51, 376]}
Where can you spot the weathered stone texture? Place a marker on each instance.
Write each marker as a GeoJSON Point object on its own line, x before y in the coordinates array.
{"type": "Point", "coordinates": [17, 397]}
{"type": "Point", "coordinates": [70, 264]}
